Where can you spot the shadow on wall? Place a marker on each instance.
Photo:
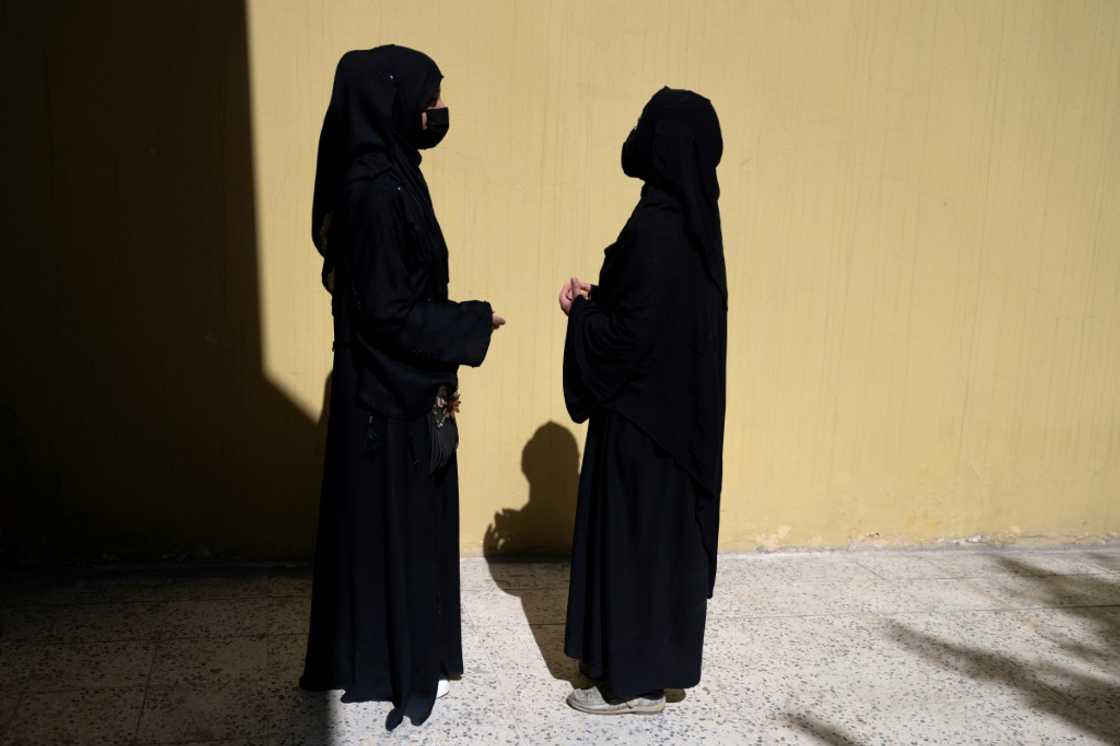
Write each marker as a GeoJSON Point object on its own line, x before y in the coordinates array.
{"type": "Point", "coordinates": [541, 529]}
{"type": "Point", "coordinates": [136, 417]}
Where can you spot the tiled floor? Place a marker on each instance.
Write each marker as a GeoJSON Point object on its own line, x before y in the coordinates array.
{"type": "Point", "coordinates": [885, 647]}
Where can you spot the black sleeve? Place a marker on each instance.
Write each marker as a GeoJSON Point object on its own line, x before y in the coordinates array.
{"type": "Point", "coordinates": [605, 348]}
{"type": "Point", "coordinates": [389, 297]}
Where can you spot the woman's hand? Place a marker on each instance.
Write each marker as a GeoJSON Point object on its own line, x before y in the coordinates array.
{"type": "Point", "coordinates": [496, 322]}
{"type": "Point", "coordinates": [572, 289]}
{"type": "Point", "coordinates": [566, 297]}
{"type": "Point", "coordinates": [581, 288]}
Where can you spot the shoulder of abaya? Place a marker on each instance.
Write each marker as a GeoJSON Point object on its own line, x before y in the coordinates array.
{"type": "Point", "coordinates": [655, 219]}
{"type": "Point", "coordinates": [659, 199]}
{"type": "Point", "coordinates": [380, 196]}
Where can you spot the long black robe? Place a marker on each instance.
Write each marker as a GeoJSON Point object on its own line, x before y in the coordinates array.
{"type": "Point", "coordinates": [645, 360]}
{"type": "Point", "coordinates": [385, 616]}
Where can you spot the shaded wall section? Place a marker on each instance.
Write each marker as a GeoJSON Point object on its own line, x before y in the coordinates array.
{"type": "Point", "coordinates": [136, 418]}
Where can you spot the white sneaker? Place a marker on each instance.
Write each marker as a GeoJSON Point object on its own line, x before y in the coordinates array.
{"type": "Point", "coordinates": [592, 702]}
{"type": "Point", "coordinates": [442, 688]}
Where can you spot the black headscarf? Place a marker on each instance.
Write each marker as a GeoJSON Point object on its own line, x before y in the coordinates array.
{"type": "Point", "coordinates": [676, 146]}
{"type": "Point", "coordinates": [372, 125]}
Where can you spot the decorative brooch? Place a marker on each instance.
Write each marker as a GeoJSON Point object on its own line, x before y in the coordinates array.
{"type": "Point", "coordinates": [446, 406]}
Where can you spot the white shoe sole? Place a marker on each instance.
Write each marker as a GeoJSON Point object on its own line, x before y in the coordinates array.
{"type": "Point", "coordinates": [650, 709]}
{"type": "Point", "coordinates": [442, 688]}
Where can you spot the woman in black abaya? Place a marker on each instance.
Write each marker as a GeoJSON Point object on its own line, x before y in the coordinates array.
{"type": "Point", "coordinates": [645, 360]}
{"type": "Point", "coordinates": [385, 600]}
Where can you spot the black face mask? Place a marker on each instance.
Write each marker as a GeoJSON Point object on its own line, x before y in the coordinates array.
{"type": "Point", "coordinates": [438, 124]}
{"type": "Point", "coordinates": [635, 154]}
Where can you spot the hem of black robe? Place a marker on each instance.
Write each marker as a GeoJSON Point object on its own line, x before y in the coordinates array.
{"type": "Point", "coordinates": [350, 693]}
{"type": "Point", "coordinates": [598, 673]}
{"type": "Point", "coordinates": [417, 706]}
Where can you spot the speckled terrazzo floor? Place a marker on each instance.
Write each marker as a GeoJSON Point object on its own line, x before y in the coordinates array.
{"type": "Point", "coordinates": [944, 647]}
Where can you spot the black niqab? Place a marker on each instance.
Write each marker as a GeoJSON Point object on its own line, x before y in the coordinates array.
{"type": "Point", "coordinates": [373, 124]}
{"type": "Point", "coordinates": [676, 146]}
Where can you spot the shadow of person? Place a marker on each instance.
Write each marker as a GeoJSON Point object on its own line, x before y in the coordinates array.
{"type": "Point", "coordinates": [540, 530]}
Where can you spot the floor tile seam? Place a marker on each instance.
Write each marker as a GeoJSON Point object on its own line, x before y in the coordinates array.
{"type": "Point", "coordinates": [180, 743]}
{"type": "Point", "coordinates": [872, 576]}
{"type": "Point", "coordinates": [917, 608]}
{"type": "Point", "coordinates": [1038, 576]}
{"type": "Point", "coordinates": [87, 604]}
{"type": "Point", "coordinates": [152, 572]}
{"type": "Point", "coordinates": [1059, 607]}
{"type": "Point", "coordinates": [149, 602]}
{"type": "Point", "coordinates": [985, 593]}
{"type": "Point", "coordinates": [534, 587]}
{"type": "Point", "coordinates": [159, 597]}
{"type": "Point", "coordinates": [913, 592]}
{"type": "Point", "coordinates": [513, 591]}
{"type": "Point", "coordinates": [526, 586]}
{"type": "Point", "coordinates": [42, 644]}
{"type": "Point", "coordinates": [909, 579]}
{"type": "Point", "coordinates": [1035, 576]}
{"type": "Point", "coordinates": [822, 615]}
{"type": "Point", "coordinates": [247, 681]}
{"type": "Point", "coordinates": [475, 625]}
{"type": "Point", "coordinates": [947, 575]}
{"type": "Point", "coordinates": [28, 685]}
{"type": "Point", "coordinates": [887, 577]}
{"type": "Point", "coordinates": [36, 691]}
{"type": "Point", "coordinates": [75, 641]}
{"type": "Point", "coordinates": [154, 640]}
{"type": "Point", "coordinates": [941, 610]}
{"type": "Point", "coordinates": [940, 551]}
{"type": "Point", "coordinates": [953, 611]}
{"type": "Point", "coordinates": [147, 688]}
{"type": "Point", "coordinates": [247, 636]}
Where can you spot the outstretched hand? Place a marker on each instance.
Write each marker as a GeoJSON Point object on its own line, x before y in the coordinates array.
{"type": "Point", "coordinates": [496, 322]}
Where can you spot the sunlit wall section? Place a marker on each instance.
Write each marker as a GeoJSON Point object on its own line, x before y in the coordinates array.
{"type": "Point", "coordinates": [921, 208]}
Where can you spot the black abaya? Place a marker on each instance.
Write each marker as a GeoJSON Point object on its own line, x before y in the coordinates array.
{"type": "Point", "coordinates": [385, 596]}
{"type": "Point", "coordinates": [645, 359]}
{"type": "Point", "coordinates": [639, 585]}
{"type": "Point", "coordinates": [385, 605]}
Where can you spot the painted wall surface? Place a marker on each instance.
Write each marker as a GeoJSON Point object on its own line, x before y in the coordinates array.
{"type": "Point", "coordinates": [921, 210]}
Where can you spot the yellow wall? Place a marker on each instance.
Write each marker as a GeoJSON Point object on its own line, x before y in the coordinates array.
{"type": "Point", "coordinates": [921, 206]}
